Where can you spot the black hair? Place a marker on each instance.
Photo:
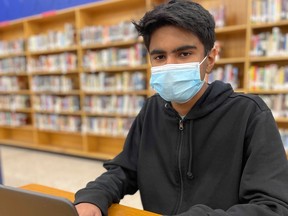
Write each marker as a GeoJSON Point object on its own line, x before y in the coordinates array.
{"type": "Point", "coordinates": [185, 14]}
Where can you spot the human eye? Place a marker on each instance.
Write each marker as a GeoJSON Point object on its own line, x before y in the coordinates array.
{"type": "Point", "coordinates": [159, 57]}
{"type": "Point", "coordinates": [185, 54]}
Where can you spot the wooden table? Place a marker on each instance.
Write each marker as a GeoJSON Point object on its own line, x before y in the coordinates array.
{"type": "Point", "coordinates": [114, 210]}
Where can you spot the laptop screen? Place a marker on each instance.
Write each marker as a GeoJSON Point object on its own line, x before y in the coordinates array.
{"type": "Point", "coordinates": [20, 202]}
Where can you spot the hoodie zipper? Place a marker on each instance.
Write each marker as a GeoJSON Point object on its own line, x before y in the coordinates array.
{"type": "Point", "coordinates": [181, 128]}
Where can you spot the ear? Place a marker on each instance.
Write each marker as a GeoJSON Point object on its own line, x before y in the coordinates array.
{"type": "Point", "coordinates": [211, 60]}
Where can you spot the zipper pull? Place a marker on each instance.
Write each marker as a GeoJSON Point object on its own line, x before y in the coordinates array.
{"type": "Point", "coordinates": [181, 125]}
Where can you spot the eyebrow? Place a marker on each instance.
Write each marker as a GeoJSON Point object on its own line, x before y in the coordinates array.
{"type": "Point", "coordinates": [181, 48]}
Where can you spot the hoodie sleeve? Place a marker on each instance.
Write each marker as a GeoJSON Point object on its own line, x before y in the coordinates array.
{"type": "Point", "coordinates": [264, 183]}
{"type": "Point", "coordinates": [120, 178]}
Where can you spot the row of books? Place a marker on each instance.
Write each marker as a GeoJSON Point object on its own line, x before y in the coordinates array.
{"type": "Point", "coordinates": [228, 74]}
{"type": "Point", "coordinates": [13, 83]}
{"type": "Point", "coordinates": [13, 65]}
{"type": "Point", "coordinates": [126, 105]}
{"type": "Point", "coordinates": [108, 126]}
{"type": "Point", "coordinates": [13, 119]}
{"type": "Point", "coordinates": [63, 62]}
{"type": "Point", "coordinates": [94, 125]}
{"type": "Point", "coordinates": [103, 81]}
{"type": "Point", "coordinates": [55, 122]}
{"type": "Point", "coordinates": [55, 83]}
{"type": "Point", "coordinates": [269, 10]}
{"type": "Point", "coordinates": [273, 43]}
{"type": "Point", "coordinates": [132, 56]}
{"type": "Point", "coordinates": [219, 15]}
{"type": "Point", "coordinates": [90, 35]}
{"type": "Point", "coordinates": [14, 102]}
{"type": "Point", "coordinates": [277, 103]}
{"type": "Point", "coordinates": [218, 45]}
{"type": "Point", "coordinates": [53, 103]}
{"type": "Point", "coordinates": [270, 77]}
{"type": "Point", "coordinates": [53, 39]}
{"type": "Point", "coordinates": [284, 137]}
{"type": "Point", "coordinates": [12, 46]}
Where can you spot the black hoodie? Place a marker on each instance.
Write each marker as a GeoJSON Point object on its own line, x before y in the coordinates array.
{"type": "Point", "coordinates": [224, 158]}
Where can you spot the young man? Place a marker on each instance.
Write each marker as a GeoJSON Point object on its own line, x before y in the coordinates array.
{"type": "Point", "coordinates": [195, 148]}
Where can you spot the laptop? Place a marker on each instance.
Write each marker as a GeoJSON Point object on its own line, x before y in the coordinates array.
{"type": "Point", "coordinates": [20, 202]}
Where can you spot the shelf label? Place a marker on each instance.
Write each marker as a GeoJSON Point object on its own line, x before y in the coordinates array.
{"type": "Point", "coordinates": [4, 23]}
{"type": "Point", "coordinates": [49, 13]}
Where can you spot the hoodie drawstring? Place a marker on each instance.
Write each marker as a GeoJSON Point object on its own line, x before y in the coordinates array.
{"type": "Point", "coordinates": [189, 172]}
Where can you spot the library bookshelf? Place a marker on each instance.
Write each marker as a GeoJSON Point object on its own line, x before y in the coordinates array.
{"type": "Point", "coordinates": [56, 97]}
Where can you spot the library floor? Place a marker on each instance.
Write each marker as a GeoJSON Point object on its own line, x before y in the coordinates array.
{"type": "Point", "coordinates": [24, 166]}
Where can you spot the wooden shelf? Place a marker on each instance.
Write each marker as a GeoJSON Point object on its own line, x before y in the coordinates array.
{"type": "Point", "coordinates": [53, 51]}
{"type": "Point", "coordinates": [20, 92]}
{"type": "Point", "coordinates": [231, 29]}
{"type": "Point", "coordinates": [230, 60]}
{"type": "Point", "coordinates": [108, 136]}
{"type": "Point", "coordinates": [12, 55]}
{"type": "Point", "coordinates": [268, 91]}
{"type": "Point", "coordinates": [270, 59]}
{"type": "Point", "coordinates": [59, 132]}
{"type": "Point", "coordinates": [112, 44]}
{"type": "Point", "coordinates": [117, 68]}
{"type": "Point", "coordinates": [72, 113]}
{"type": "Point", "coordinates": [104, 13]}
{"type": "Point", "coordinates": [55, 72]}
{"type": "Point", "coordinates": [15, 143]}
{"type": "Point", "coordinates": [24, 127]}
{"type": "Point", "coordinates": [111, 114]}
{"type": "Point", "coordinates": [269, 24]}
{"type": "Point", "coordinates": [73, 92]}
{"type": "Point", "coordinates": [281, 120]}
{"type": "Point", "coordinates": [132, 92]}
{"type": "Point", "coordinates": [235, 36]}
{"type": "Point", "coordinates": [14, 74]}
{"type": "Point", "coordinates": [27, 110]}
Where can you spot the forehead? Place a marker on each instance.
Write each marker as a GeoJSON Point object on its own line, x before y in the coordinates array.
{"type": "Point", "coordinates": [168, 38]}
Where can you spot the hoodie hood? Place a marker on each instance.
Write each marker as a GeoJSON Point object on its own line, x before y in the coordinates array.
{"type": "Point", "coordinates": [216, 93]}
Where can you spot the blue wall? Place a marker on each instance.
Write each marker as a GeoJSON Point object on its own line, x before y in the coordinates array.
{"type": "Point", "coordinates": [15, 9]}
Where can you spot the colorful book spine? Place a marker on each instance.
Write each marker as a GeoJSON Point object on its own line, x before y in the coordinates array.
{"type": "Point", "coordinates": [123, 31]}
{"type": "Point", "coordinates": [278, 104]}
{"type": "Point", "coordinates": [219, 15]}
{"type": "Point", "coordinates": [124, 105]}
{"type": "Point", "coordinates": [102, 81]}
{"type": "Point", "coordinates": [132, 56]}
{"type": "Point", "coordinates": [53, 39]}
{"type": "Point", "coordinates": [264, 11]}
{"type": "Point", "coordinates": [53, 103]}
{"type": "Point", "coordinates": [56, 122]}
{"type": "Point", "coordinates": [227, 74]}
{"type": "Point", "coordinates": [269, 77]}
{"type": "Point", "coordinates": [13, 119]}
{"type": "Point", "coordinates": [12, 47]}
{"type": "Point", "coordinates": [13, 83]}
{"type": "Point", "coordinates": [59, 83]}
{"type": "Point", "coordinates": [273, 43]}
{"type": "Point", "coordinates": [284, 137]}
{"type": "Point", "coordinates": [13, 65]}
{"type": "Point", "coordinates": [108, 126]}
{"type": "Point", "coordinates": [14, 102]}
{"type": "Point", "coordinates": [63, 62]}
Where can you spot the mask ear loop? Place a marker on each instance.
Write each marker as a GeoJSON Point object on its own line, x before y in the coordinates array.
{"type": "Point", "coordinates": [203, 60]}
{"type": "Point", "coordinates": [205, 77]}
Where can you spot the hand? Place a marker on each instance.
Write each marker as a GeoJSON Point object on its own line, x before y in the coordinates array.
{"type": "Point", "coordinates": [88, 209]}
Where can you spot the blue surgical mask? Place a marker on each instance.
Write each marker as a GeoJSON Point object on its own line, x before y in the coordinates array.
{"type": "Point", "coordinates": [177, 82]}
